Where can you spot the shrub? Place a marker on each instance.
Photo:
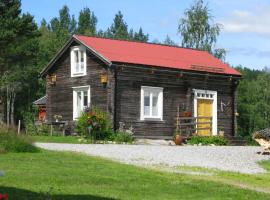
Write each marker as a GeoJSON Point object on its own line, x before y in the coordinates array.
{"type": "Point", "coordinates": [122, 137]}
{"type": "Point", "coordinates": [82, 125]}
{"type": "Point", "coordinates": [207, 140]}
{"type": "Point", "coordinates": [95, 121]}
{"type": "Point", "coordinates": [29, 122]}
{"type": "Point", "coordinates": [43, 129]}
{"type": "Point", "coordinates": [10, 142]}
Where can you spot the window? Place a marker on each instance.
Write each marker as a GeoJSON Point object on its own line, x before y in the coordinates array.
{"type": "Point", "coordinates": [204, 94]}
{"type": "Point", "coordinates": [151, 103]}
{"type": "Point", "coordinates": [78, 61]}
{"type": "Point", "coordinates": [81, 100]}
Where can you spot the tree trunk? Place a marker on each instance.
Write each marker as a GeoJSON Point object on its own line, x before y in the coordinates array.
{"type": "Point", "coordinates": [13, 95]}
{"type": "Point", "coordinates": [8, 107]}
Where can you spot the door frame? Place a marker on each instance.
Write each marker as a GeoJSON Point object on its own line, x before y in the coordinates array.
{"type": "Point", "coordinates": [79, 89]}
{"type": "Point", "coordinates": [211, 95]}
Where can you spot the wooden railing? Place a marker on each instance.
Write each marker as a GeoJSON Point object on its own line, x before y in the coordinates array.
{"type": "Point", "coordinates": [190, 125]}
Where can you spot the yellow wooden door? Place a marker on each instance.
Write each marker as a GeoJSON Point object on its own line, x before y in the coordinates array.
{"type": "Point", "coordinates": [204, 109]}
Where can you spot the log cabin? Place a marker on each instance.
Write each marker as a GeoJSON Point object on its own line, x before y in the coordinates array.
{"type": "Point", "coordinates": [151, 87]}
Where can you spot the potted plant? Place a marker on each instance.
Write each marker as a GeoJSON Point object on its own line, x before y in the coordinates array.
{"type": "Point", "coordinates": [221, 131]}
{"type": "Point", "coordinates": [57, 118]}
{"type": "Point", "coordinates": [178, 138]}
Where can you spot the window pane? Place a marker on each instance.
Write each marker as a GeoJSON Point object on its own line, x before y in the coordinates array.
{"type": "Point", "coordinates": [76, 58]}
{"type": "Point", "coordinates": [85, 98]}
{"type": "Point", "coordinates": [82, 60]}
{"type": "Point", "coordinates": [79, 104]}
{"type": "Point", "coordinates": [146, 103]}
{"type": "Point", "coordinates": [155, 104]}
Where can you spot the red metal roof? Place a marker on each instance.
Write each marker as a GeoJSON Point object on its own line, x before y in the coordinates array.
{"type": "Point", "coordinates": [157, 55]}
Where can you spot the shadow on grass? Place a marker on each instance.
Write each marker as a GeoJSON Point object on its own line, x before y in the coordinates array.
{"type": "Point", "coordinates": [22, 194]}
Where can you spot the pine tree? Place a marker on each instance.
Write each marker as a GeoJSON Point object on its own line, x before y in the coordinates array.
{"type": "Point", "coordinates": [87, 23]}
{"type": "Point", "coordinates": [18, 49]}
{"type": "Point", "coordinates": [119, 28]}
{"type": "Point", "coordinates": [169, 41]}
{"type": "Point", "coordinates": [140, 36]}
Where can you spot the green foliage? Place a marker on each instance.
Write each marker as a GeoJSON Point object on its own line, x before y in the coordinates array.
{"type": "Point", "coordinates": [139, 36]}
{"type": "Point", "coordinates": [169, 41]}
{"type": "Point", "coordinates": [122, 137]}
{"type": "Point", "coordinates": [253, 97]}
{"type": "Point", "coordinates": [18, 50]}
{"type": "Point", "coordinates": [28, 121]}
{"type": "Point", "coordinates": [208, 140]}
{"type": "Point", "coordinates": [82, 125]}
{"type": "Point", "coordinates": [197, 31]}
{"type": "Point", "coordinates": [119, 30]}
{"type": "Point", "coordinates": [11, 142]}
{"type": "Point", "coordinates": [94, 123]}
{"type": "Point", "coordinates": [87, 23]}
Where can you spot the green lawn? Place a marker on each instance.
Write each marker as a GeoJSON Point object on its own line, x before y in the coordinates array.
{"type": "Point", "coordinates": [57, 139]}
{"type": "Point", "coordinates": [260, 182]}
{"type": "Point", "coordinates": [65, 175]}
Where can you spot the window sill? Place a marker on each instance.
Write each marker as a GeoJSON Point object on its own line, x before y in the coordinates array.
{"type": "Point", "coordinates": [78, 75]}
{"type": "Point", "coordinates": [152, 120]}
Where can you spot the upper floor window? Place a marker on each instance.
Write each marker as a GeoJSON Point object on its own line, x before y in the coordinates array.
{"type": "Point", "coordinates": [78, 61]}
{"type": "Point", "coordinates": [151, 103]}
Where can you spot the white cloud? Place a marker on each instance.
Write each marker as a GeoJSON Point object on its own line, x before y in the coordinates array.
{"type": "Point", "coordinates": [243, 21]}
{"type": "Point", "coordinates": [249, 51]}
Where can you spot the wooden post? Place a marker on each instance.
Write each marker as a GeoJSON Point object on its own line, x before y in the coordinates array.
{"type": "Point", "coordinates": [51, 129]}
{"type": "Point", "coordinates": [19, 127]}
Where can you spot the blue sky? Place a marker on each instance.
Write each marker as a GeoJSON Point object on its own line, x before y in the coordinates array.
{"type": "Point", "coordinates": [246, 23]}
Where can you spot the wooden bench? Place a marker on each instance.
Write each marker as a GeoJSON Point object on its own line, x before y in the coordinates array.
{"type": "Point", "coordinates": [264, 144]}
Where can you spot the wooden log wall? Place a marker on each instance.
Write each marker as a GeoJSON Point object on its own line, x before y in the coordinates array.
{"type": "Point", "coordinates": [60, 95]}
{"type": "Point", "coordinates": [121, 96]}
{"type": "Point", "coordinates": [177, 91]}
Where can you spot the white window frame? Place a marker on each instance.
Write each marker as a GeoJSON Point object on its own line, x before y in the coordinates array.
{"type": "Point", "coordinates": [159, 103]}
{"type": "Point", "coordinates": [72, 61]}
{"type": "Point", "coordinates": [211, 95]}
{"type": "Point", "coordinates": [75, 97]}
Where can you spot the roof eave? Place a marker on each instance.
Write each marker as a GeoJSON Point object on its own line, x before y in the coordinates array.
{"type": "Point", "coordinates": [65, 47]}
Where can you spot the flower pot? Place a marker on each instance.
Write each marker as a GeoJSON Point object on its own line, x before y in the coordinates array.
{"type": "Point", "coordinates": [178, 140]}
{"type": "Point", "coordinates": [221, 133]}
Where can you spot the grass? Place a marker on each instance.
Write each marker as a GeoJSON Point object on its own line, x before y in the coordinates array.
{"type": "Point", "coordinates": [259, 182]}
{"type": "Point", "coordinates": [66, 175]}
{"type": "Point", "coordinates": [11, 142]}
{"type": "Point", "coordinates": [58, 139]}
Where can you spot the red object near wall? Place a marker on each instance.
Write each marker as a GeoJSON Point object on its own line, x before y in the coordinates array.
{"type": "Point", "coordinates": [3, 196]}
{"type": "Point", "coordinates": [42, 113]}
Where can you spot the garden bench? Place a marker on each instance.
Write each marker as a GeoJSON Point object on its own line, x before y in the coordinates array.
{"type": "Point", "coordinates": [265, 144]}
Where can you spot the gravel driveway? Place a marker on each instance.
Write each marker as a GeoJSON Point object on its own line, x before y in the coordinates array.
{"type": "Point", "coordinates": [232, 158]}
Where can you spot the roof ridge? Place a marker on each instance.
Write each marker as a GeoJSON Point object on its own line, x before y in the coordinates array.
{"type": "Point", "coordinates": [141, 42]}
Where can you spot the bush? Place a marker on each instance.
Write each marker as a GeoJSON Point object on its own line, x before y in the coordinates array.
{"type": "Point", "coordinates": [122, 137]}
{"type": "Point", "coordinates": [11, 142]}
{"type": "Point", "coordinates": [95, 121]}
{"type": "Point", "coordinates": [29, 123]}
{"type": "Point", "coordinates": [207, 140]}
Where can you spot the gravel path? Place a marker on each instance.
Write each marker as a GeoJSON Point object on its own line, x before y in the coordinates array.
{"type": "Point", "coordinates": [231, 158]}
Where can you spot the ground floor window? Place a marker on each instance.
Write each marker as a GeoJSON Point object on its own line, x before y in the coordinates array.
{"type": "Point", "coordinates": [81, 100]}
{"type": "Point", "coordinates": [151, 103]}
